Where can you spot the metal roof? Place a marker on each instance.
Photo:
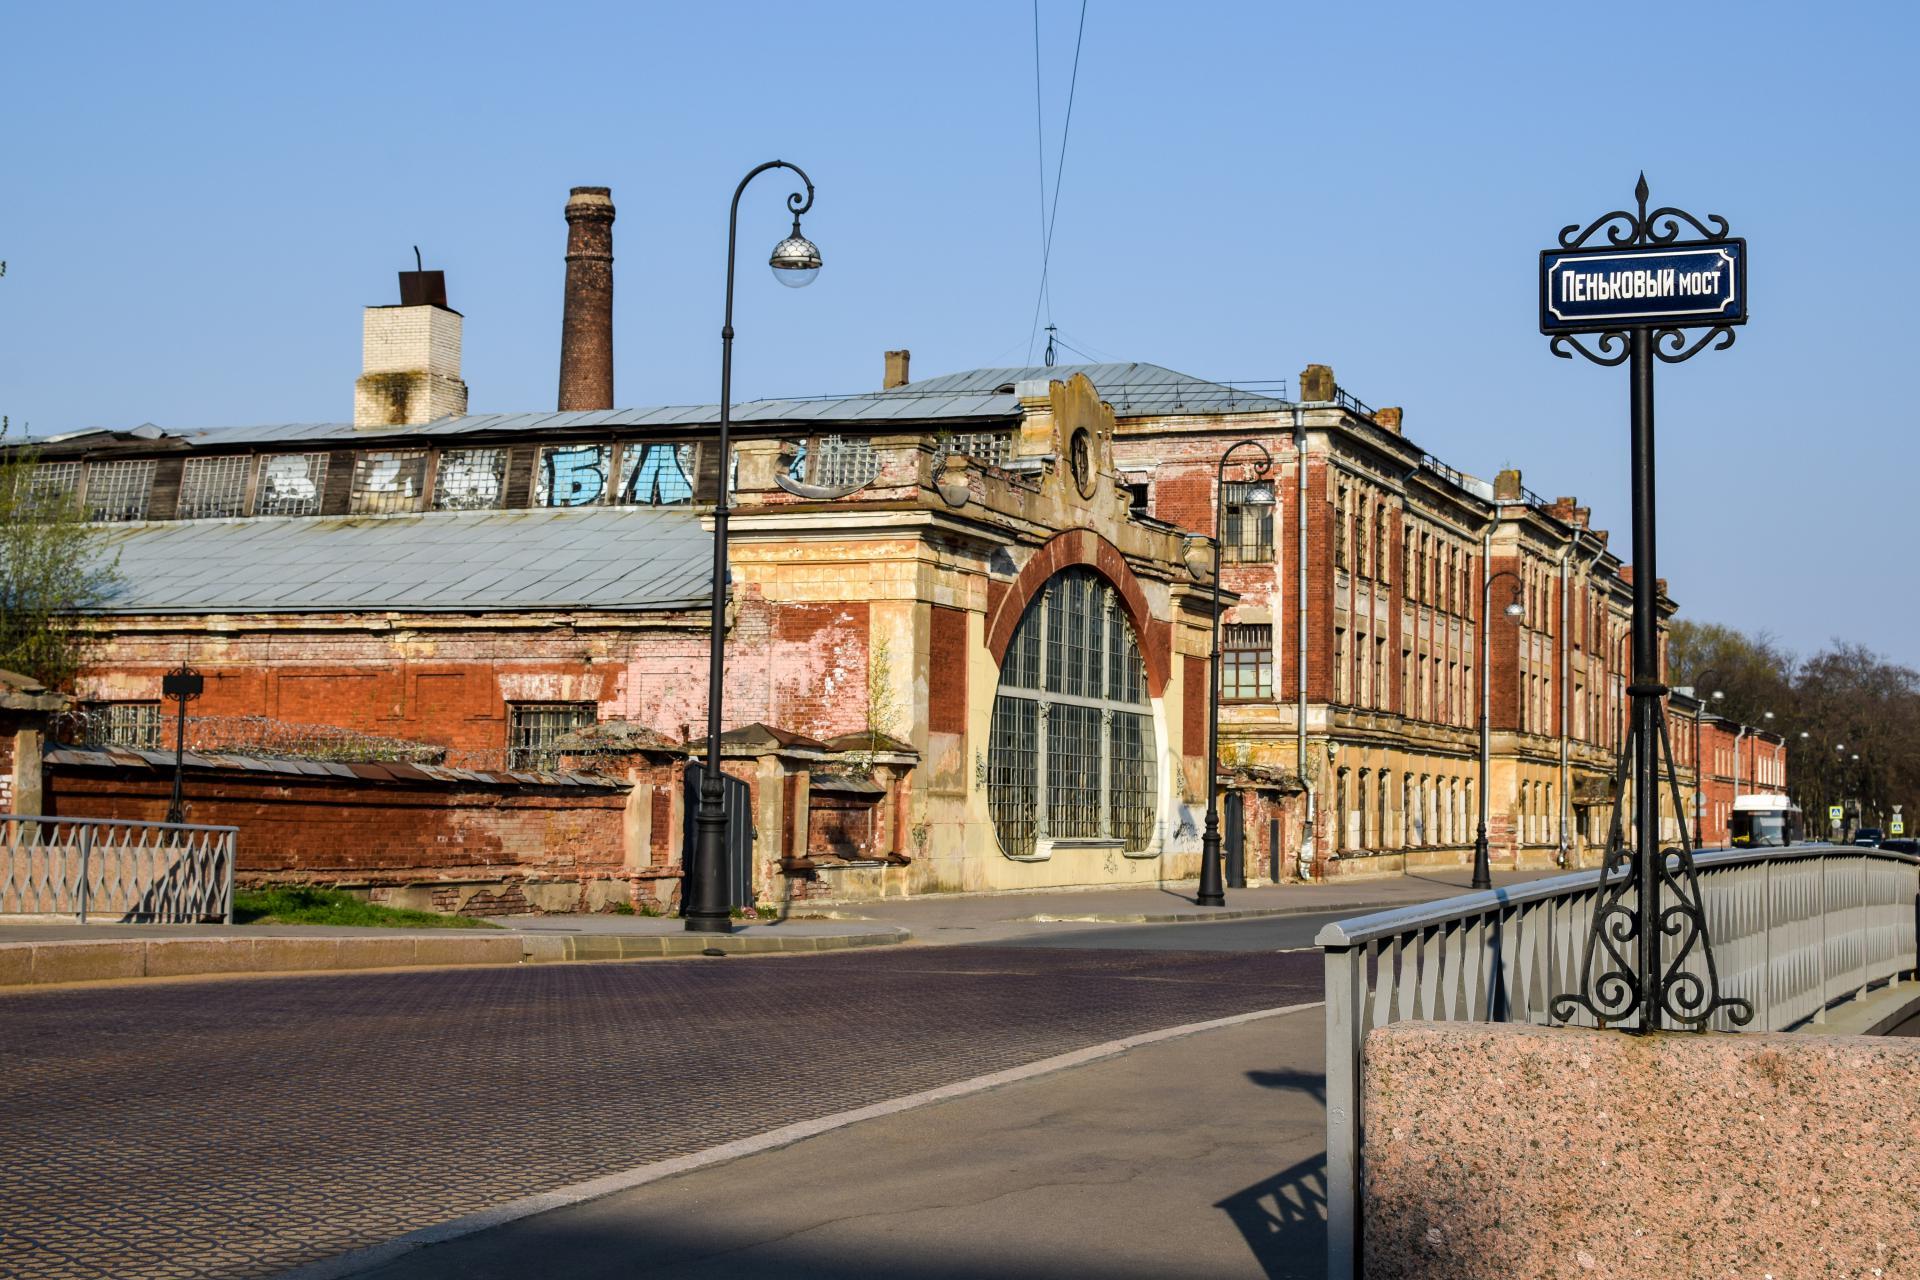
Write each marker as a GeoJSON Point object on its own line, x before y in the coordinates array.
{"type": "Point", "coordinates": [976, 395]}
{"type": "Point", "coordinates": [361, 770]}
{"type": "Point", "coordinates": [605, 558]}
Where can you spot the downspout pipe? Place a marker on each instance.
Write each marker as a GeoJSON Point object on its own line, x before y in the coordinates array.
{"type": "Point", "coordinates": [1566, 714]}
{"type": "Point", "coordinates": [1307, 843]}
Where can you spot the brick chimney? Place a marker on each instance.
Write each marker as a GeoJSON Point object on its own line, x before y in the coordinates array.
{"type": "Point", "coordinates": [1506, 486]}
{"type": "Point", "coordinates": [896, 373]}
{"type": "Point", "coordinates": [1389, 418]}
{"type": "Point", "coordinates": [410, 358]}
{"type": "Point", "coordinates": [1316, 383]}
{"type": "Point", "coordinates": [586, 326]}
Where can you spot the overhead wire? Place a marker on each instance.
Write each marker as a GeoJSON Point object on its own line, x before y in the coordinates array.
{"type": "Point", "coordinates": [1044, 298]}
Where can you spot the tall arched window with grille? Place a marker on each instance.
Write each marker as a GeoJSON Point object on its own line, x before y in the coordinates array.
{"type": "Point", "coordinates": [1071, 753]}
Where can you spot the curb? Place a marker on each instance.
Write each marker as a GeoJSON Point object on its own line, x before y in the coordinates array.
{"type": "Point", "coordinates": [25, 964]}
{"type": "Point", "coordinates": [1190, 917]}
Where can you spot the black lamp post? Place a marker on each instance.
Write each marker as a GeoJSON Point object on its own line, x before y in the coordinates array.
{"type": "Point", "coordinates": [181, 685]}
{"type": "Point", "coordinates": [1699, 755]}
{"type": "Point", "coordinates": [1212, 890]}
{"type": "Point", "coordinates": [795, 263]}
{"type": "Point", "coordinates": [1482, 871]}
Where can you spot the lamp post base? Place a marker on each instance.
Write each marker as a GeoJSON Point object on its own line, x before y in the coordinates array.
{"type": "Point", "coordinates": [1211, 893]}
{"type": "Point", "coordinates": [1482, 871]}
{"type": "Point", "coordinates": [709, 924]}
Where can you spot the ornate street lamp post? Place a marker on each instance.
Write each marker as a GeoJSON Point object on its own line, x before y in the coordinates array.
{"type": "Point", "coordinates": [1482, 870]}
{"type": "Point", "coordinates": [1212, 890]}
{"type": "Point", "coordinates": [795, 263]}
{"type": "Point", "coordinates": [1699, 755]}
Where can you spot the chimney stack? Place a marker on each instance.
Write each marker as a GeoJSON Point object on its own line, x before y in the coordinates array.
{"type": "Point", "coordinates": [1507, 486]}
{"type": "Point", "coordinates": [586, 328]}
{"type": "Point", "coordinates": [1317, 384]}
{"type": "Point", "coordinates": [410, 357]}
{"type": "Point", "coordinates": [1389, 418]}
{"type": "Point", "coordinates": [896, 374]}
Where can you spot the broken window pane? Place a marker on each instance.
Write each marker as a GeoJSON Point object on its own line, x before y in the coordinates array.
{"type": "Point", "coordinates": [119, 490]}
{"type": "Point", "coordinates": [389, 480]}
{"type": "Point", "coordinates": [213, 488]}
{"type": "Point", "coordinates": [470, 479]}
{"type": "Point", "coordinates": [291, 484]}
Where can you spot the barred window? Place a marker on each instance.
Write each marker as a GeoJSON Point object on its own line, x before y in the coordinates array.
{"type": "Point", "coordinates": [389, 480]}
{"type": "Point", "coordinates": [124, 724]}
{"type": "Point", "coordinates": [470, 479]}
{"type": "Point", "coordinates": [533, 728]}
{"type": "Point", "coordinates": [840, 460]}
{"type": "Point", "coordinates": [214, 488]}
{"type": "Point", "coordinates": [1071, 750]}
{"type": "Point", "coordinates": [119, 490]}
{"type": "Point", "coordinates": [573, 475]}
{"type": "Point", "coordinates": [1246, 660]}
{"type": "Point", "coordinates": [1248, 535]}
{"type": "Point", "coordinates": [657, 475]}
{"type": "Point", "coordinates": [993, 447]}
{"type": "Point", "coordinates": [1340, 529]}
{"type": "Point", "coordinates": [291, 484]}
{"type": "Point", "coordinates": [52, 482]}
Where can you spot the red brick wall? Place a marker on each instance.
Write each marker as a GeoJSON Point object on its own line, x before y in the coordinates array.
{"type": "Point", "coordinates": [947, 670]}
{"type": "Point", "coordinates": [330, 829]}
{"type": "Point", "coordinates": [1193, 707]}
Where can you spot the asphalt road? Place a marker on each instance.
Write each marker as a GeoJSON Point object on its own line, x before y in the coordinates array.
{"type": "Point", "coordinates": [1271, 933]}
{"type": "Point", "coordinates": [238, 1128]}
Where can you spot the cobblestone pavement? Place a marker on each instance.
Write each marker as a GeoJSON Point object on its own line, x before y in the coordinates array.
{"type": "Point", "coordinates": [222, 1129]}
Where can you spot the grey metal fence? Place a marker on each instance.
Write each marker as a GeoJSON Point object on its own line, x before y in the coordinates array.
{"type": "Point", "coordinates": [1794, 931]}
{"type": "Point", "coordinates": [143, 872]}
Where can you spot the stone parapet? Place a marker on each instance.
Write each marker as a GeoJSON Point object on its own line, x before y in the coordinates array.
{"type": "Point", "coordinates": [1497, 1150]}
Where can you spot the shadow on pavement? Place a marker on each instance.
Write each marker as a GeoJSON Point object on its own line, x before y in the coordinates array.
{"type": "Point", "coordinates": [1284, 1218]}
{"type": "Point", "coordinates": [1311, 1083]}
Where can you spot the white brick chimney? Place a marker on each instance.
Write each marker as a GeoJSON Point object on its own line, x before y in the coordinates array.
{"type": "Point", "coordinates": [410, 362]}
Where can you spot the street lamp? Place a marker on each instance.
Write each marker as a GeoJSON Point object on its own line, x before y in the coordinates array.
{"type": "Point", "coordinates": [795, 262]}
{"type": "Point", "coordinates": [1700, 759]}
{"type": "Point", "coordinates": [1212, 890]}
{"type": "Point", "coordinates": [183, 685]}
{"type": "Point", "coordinates": [1482, 872]}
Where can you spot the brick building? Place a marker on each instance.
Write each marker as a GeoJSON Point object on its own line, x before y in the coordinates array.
{"type": "Point", "coordinates": [968, 635]}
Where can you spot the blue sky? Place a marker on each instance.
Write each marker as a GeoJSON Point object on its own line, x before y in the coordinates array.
{"type": "Point", "coordinates": [199, 199]}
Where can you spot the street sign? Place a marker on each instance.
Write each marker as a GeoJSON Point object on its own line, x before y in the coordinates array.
{"type": "Point", "coordinates": [1703, 282]}
{"type": "Point", "coordinates": [1896, 826]}
{"type": "Point", "coordinates": [1835, 813]}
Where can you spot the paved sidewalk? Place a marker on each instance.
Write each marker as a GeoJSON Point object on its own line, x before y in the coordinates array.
{"type": "Point", "coordinates": [996, 917]}
{"type": "Point", "coordinates": [1202, 1157]}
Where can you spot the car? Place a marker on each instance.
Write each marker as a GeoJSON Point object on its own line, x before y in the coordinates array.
{"type": "Point", "coordinates": [1901, 844]}
{"type": "Point", "coordinates": [1868, 836]}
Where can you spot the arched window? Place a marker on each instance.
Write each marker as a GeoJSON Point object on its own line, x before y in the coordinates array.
{"type": "Point", "coordinates": [1072, 749]}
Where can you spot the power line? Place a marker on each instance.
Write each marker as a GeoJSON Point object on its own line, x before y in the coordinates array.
{"type": "Point", "coordinates": [1051, 219]}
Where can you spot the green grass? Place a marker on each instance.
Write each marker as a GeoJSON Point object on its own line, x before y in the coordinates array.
{"type": "Point", "coordinates": [301, 904]}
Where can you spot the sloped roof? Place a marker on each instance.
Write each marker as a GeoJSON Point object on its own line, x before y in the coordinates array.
{"type": "Point", "coordinates": [973, 395]}
{"type": "Point", "coordinates": [136, 760]}
{"type": "Point", "coordinates": [600, 558]}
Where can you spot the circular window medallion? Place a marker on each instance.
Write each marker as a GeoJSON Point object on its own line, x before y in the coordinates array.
{"type": "Point", "coordinates": [1080, 458]}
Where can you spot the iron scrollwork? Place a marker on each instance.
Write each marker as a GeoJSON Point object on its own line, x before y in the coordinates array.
{"type": "Point", "coordinates": [1639, 228]}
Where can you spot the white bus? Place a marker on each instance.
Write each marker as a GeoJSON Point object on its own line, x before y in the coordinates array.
{"type": "Point", "coordinates": [1764, 820]}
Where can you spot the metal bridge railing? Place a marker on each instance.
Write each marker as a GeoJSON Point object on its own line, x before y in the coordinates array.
{"type": "Point", "coordinates": [136, 872]}
{"type": "Point", "coordinates": [1794, 930]}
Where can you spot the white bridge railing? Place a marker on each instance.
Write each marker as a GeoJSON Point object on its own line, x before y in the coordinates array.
{"type": "Point", "coordinates": [1794, 930]}
{"type": "Point", "coordinates": [138, 872]}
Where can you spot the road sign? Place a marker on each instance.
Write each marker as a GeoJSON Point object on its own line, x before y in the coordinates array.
{"type": "Point", "coordinates": [1896, 826]}
{"type": "Point", "coordinates": [1594, 290]}
{"type": "Point", "coordinates": [1835, 813]}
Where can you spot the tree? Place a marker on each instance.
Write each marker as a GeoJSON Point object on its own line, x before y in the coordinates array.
{"type": "Point", "coordinates": [51, 570]}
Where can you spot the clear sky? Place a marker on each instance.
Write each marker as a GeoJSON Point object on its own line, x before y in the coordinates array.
{"type": "Point", "coordinates": [199, 199]}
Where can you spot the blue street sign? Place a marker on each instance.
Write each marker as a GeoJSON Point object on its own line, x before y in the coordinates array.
{"type": "Point", "coordinates": [1661, 286]}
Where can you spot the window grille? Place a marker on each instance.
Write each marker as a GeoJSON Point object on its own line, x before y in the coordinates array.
{"type": "Point", "coordinates": [389, 480]}
{"type": "Point", "coordinates": [119, 490]}
{"type": "Point", "coordinates": [1246, 660]}
{"type": "Point", "coordinates": [52, 482]}
{"type": "Point", "coordinates": [839, 460]}
{"type": "Point", "coordinates": [992, 447]}
{"type": "Point", "coordinates": [657, 475]}
{"type": "Point", "coordinates": [572, 475]}
{"type": "Point", "coordinates": [291, 484]}
{"type": "Point", "coordinates": [125, 724]}
{"type": "Point", "coordinates": [535, 726]}
{"type": "Point", "coordinates": [470, 480]}
{"type": "Point", "coordinates": [1071, 751]}
{"type": "Point", "coordinates": [214, 488]}
{"type": "Point", "coordinates": [1249, 521]}
{"type": "Point", "coordinates": [1340, 530]}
